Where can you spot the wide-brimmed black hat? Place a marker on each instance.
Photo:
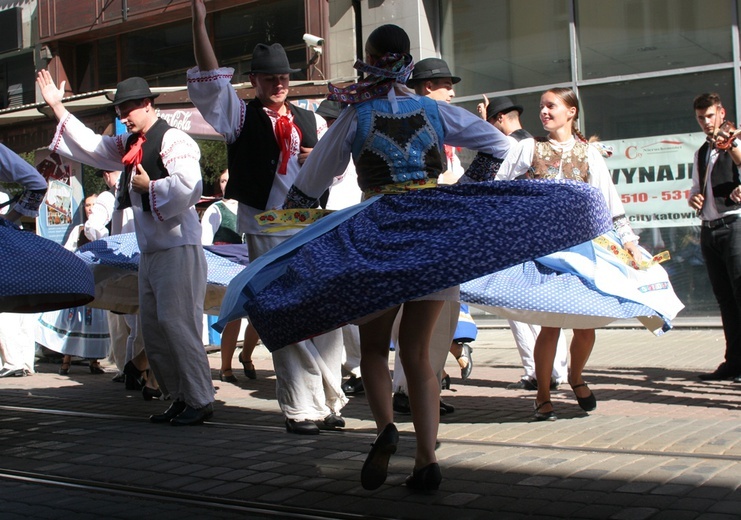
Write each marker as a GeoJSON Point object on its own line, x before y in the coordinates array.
{"type": "Point", "coordinates": [329, 109]}
{"type": "Point", "coordinates": [501, 104]}
{"type": "Point", "coordinates": [132, 88]}
{"type": "Point", "coordinates": [431, 68]}
{"type": "Point", "coordinates": [270, 59]}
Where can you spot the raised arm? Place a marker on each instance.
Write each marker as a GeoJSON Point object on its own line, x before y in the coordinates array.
{"type": "Point", "coordinates": [202, 48]}
{"type": "Point", "coordinates": [51, 94]}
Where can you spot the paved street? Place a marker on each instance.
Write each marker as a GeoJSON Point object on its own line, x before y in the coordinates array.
{"type": "Point", "coordinates": [661, 445]}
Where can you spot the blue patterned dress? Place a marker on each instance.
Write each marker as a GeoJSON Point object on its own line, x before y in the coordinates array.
{"type": "Point", "coordinates": [38, 274]}
{"type": "Point", "coordinates": [396, 248]}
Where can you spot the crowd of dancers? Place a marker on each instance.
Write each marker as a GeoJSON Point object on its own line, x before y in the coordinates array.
{"type": "Point", "coordinates": [539, 233]}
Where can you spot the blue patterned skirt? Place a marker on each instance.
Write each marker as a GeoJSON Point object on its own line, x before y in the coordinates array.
{"type": "Point", "coordinates": [114, 261]}
{"type": "Point", "coordinates": [38, 274]}
{"type": "Point", "coordinates": [584, 287]}
{"type": "Point", "coordinates": [402, 247]}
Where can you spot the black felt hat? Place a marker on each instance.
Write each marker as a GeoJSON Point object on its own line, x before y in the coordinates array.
{"type": "Point", "coordinates": [431, 68]}
{"type": "Point", "coordinates": [270, 59]}
{"type": "Point", "coordinates": [132, 88]}
{"type": "Point", "coordinates": [329, 109]}
{"type": "Point", "coordinates": [501, 104]}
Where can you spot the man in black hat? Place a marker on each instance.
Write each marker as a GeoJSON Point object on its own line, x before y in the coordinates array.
{"type": "Point", "coordinates": [161, 182]}
{"type": "Point", "coordinates": [268, 139]}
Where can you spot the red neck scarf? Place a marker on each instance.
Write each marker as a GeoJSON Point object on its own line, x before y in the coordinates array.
{"type": "Point", "coordinates": [134, 155]}
{"type": "Point", "coordinates": [283, 132]}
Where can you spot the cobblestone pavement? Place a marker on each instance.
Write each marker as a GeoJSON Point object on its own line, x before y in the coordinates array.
{"type": "Point", "coordinates": [661, 445]}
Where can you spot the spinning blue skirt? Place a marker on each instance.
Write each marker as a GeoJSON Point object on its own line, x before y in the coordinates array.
{"type": "Point", "coordinates": [38, 274]}
{"type": "Point", "coordinates": [396, 248]}
{"type": "Point", "coordinates": [583, 287]}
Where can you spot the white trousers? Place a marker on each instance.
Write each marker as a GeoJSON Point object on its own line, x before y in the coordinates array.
{"type": "Point", "coordinates": [308, 374]}
{"type": "Point", "coordinates": [172, 285]}
{"type": "Point", "coordinates": [525, 335]}
{"type": "Point", "coordinates": [351, 357]}
{"type": "Point", "coordinates": [126, 338]}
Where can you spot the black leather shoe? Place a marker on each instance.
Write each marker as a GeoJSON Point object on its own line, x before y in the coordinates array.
{"type": "Point", "coordinates": [330, 422]}
{"type": "Point", "coordinates": [425, 479]}
{"type": "Point", "coordinates": [231, 378]}
{"type": "Point", "coordinates": [353, 386]}
{"type": "Point", "coordinates": [401, 403]}
{"type": "Point", "coordinates": [587, 403]}
{"type": "Point", "coordinates": [446, 408]}
{"type": "Point", "coordinates": [375, 467]}
{"type": "Point", "coordinates": [544, 416]}
{"type": "Point", "coordinates": [175, 409]}
{"type": "Point", "coordinates": [14, 372]}
{"type": "Point", "coordinates": [302, 427]}
{"type": "Point", "coordinates": [151, 393]}
{"type": "Point", "coordinates": [119, 378]}
{"type": "Point", "coordinates": [445, 383]}
{"type": "Point", "coordinates": [248, 367]}
{"type": "Point", "coordinates": [524, 384]}
{"type": "Point", "coordinates": [721, 373]}
{"type": "Point", "coordinates": [134, 380]}
{"type": "Point", "coordinates": [193, 416]}
{"type": "Point", "coordinates": [466, 361]}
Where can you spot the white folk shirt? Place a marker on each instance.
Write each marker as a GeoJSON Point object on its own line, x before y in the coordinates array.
{"type": "Point", "coordinates": [217, 101]}
{"type": "Point", "coordinates": [104, 212]}
{"type": "Point", "coordinates": [173, 220]}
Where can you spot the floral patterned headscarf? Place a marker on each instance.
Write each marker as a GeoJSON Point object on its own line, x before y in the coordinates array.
{"type": "Point", "coordinates": [381, 76]}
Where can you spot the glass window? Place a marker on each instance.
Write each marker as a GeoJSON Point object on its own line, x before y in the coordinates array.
{"type": "Point", "coordinates": [634, 36]}
{"type": "Point", "coordinates": [161, 54]}
{"type": "Point", "coordinates": [506, 44]}
{"type": "Point", "coordinates": [239, 30]}
{"type": "Point", "coordinates": [107, 63]}
{"type": "Point", "coordinates": [656, 106]}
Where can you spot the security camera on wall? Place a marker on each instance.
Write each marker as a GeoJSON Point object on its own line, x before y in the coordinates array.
{"type": "Point", "coordinates": [313, 41]}
{"type": "Point", "coordinates": [315, 44]}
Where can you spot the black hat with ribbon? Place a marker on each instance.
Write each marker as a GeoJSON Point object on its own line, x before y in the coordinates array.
{"type": "Point", "coordinates": [431, 68]}
{"type": "Point", "coordinates": [270, 59]}
{"type": "Point", "coordinates": [132, 88]}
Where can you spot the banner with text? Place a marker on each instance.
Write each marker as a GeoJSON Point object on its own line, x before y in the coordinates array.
{"type": "Point", "coordinates": [653, 176]}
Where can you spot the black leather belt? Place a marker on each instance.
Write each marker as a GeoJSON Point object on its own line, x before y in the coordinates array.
{"type": "Point", "coordinates": [712, 224]}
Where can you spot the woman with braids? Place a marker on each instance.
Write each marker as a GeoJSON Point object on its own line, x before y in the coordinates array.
{"type": "Point", "coordinates": [362, 263]}
{"type": "Point", "coordinates": [566, 154]}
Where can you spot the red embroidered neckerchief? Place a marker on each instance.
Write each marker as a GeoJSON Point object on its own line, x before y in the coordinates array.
{"type": "Point", "coordinates": [283, 133]}
{"type": "Point", "coordinates": [134, 155]}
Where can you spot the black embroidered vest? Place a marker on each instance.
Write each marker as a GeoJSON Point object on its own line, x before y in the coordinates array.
{"type": "Point", "coordinates": [253, 157]}
{"type": "Point", "coordinates": [724, 177]}
{"type": "Point", "coordinates": [151, 162]}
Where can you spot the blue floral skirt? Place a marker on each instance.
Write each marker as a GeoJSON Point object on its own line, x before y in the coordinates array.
{"type": "Point", "coordinates": [38, 274]}
{"type": "Point", "coordinates": [583, 287]}
{"type": "Point", "coordinates": [396, 248]}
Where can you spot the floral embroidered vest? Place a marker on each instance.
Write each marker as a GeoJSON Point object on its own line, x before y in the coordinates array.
{"type": "Point", "coordinates": [549, 161]}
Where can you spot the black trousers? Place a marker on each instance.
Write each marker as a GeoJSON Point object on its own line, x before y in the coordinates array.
{"type": "Point", "coordinates": [721, 249]}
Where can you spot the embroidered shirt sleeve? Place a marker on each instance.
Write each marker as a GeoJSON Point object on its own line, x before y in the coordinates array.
{"type": "Point", "coordinates": [214, 96]}
{"type": "Point", "coordinates": [183, 186]}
